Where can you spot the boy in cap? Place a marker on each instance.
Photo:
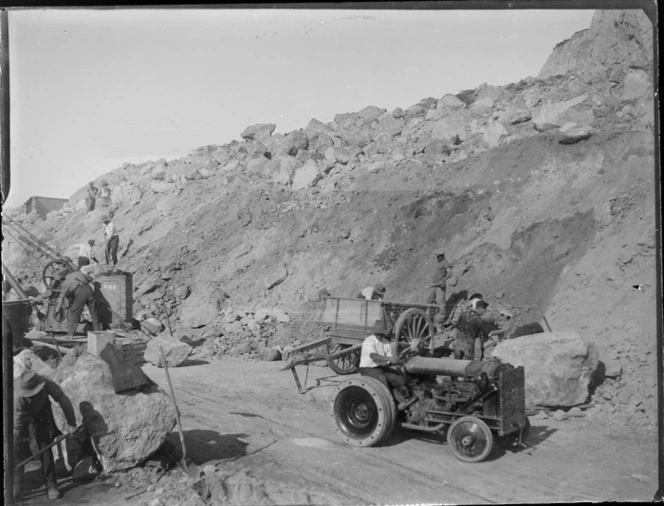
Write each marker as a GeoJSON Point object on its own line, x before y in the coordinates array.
{"type": "Point", "coordinates": [373, 292]}
{"type": "Point", "coordinates": [379, 351]}
{"type": "Point", "coordinates": [33, 414]}
{"type": "Point", "coordinates": [442, 272]}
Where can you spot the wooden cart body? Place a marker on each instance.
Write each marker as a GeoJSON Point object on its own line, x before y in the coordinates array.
{"type": "Point", "coordinates": [348, 321]}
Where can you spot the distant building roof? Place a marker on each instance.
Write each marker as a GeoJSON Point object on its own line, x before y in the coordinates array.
{"type": "Point", "coordinates": [43, 205]}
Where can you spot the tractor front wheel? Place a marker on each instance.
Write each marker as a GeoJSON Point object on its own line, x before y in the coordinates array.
{"type": "Point", "coordinates": [364, 411]}
{"type": "Point", "coordinates": [470, 439]}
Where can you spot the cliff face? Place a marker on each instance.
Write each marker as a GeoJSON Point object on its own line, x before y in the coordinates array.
{"type": "Point", "coordinates": [615, 42]}
{"type": "Point", "coordinates": [541, 192]}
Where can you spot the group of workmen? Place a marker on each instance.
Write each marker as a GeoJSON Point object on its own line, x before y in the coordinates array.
{"type": "Point", "coordinates": [33, 414]}
{"type": "Point", "coordinates": [474, 336]}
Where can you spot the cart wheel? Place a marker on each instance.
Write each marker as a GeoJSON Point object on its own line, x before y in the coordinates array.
{"type": "Point", "coordinates": [364, 411]}
{"type": "Point", "coordinates": [470, 439]}
{"type": "Point", "coordinates": [346, 364]}
{"type": "Point", "coordinates": [414, 323]}
{"type": "Point", "coordinates": [50, 274]}
{"type": "Point", "coordinates": [511, 441]}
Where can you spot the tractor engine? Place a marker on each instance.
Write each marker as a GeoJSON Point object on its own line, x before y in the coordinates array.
{"type": "Point", "coordinates": [462, 386]}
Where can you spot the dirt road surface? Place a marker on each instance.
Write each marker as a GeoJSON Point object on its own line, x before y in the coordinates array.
{"type": "Point", "coordinates": [234, 409]}
{"type": "Point", "coordinates": [248, 417]}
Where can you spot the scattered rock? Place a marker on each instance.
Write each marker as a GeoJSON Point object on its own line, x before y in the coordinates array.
{"type": "Point", "coordinates": [258, 131]}
{"type": "Point", "coordinates": [175, 352]}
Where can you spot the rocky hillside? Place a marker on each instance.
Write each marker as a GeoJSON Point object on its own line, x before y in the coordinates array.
{"type": "Point", "coordinates": [540, 191]}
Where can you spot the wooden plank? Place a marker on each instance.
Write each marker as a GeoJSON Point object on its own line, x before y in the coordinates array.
{"type": "Point", "coordinates": [314, 344]}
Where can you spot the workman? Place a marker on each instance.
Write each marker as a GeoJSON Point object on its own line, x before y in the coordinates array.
{"type": "Point", "coordinates": [76, 288]}
{"type": "Point", "coordinates": [86, 253]}
{"type": "Point", "coordinates": [33, 415]}
{"type": "Point", "coordinates": [379, 351]}
{"type": "Point", "coordinates": [472, 331]}
{"type": "Point", "coordinates": [372, 292]}
{"type": "Point", "coordinates": [112, 241]}
{"type": "Point", "coordinates": [91, 196]}
{"type": "Point", "coordinates": [442, 272]}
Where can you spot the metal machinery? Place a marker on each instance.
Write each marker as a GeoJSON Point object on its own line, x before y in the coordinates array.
{"type": "Point", "coordinates": [113, 289]}
{"type": "Point", "coordinates": [470, 402]}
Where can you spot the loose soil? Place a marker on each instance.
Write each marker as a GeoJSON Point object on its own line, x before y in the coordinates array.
{"type": "Point", "coordinates": [256, 440]}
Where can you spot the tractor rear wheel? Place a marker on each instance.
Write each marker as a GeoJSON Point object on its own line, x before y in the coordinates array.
{"type": "Point", "coordinates": [470, 439]}
{"type": "Point", "coordinates": [364, 411]}
{"type": "Point", "coordinates": [346, 364]}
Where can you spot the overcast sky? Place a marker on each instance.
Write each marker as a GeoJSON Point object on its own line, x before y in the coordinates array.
{"type": "Point", "coordinates": [92, 89]}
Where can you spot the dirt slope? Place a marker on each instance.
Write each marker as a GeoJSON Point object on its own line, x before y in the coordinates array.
{"type": "Point", "coordinates": [541, 192]}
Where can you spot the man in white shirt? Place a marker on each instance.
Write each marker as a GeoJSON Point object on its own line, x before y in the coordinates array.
{"type": "Point", "coordinates": [379, 351]}
{"type": "Point", "coordinates": [86, 253]}
{"type": "Point", "coordinates": [112, 241]}
{"type": "Point", "coordinates": [373, 292]}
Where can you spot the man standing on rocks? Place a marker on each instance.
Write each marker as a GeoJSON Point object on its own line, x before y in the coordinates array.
{"type": "Point", "coordinates": [91, 197]}
{"type": "Point", "coordinates": [112, 241]}
{"type": "Point", "coordinates": [76, 288]}
{"type": "Point", "coordinates": [33, 415]}
{"type": "Point", "coordinates": [442, 272]}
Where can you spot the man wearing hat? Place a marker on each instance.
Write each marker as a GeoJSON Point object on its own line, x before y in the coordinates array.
{"type": "Point", "coordinates": [472, 332]}
{"type": "Point", "coordinates": [76, 288]}
{"type": "Point", "coordinates": [379, 351]}
{"type": "Point", "coordinates": [91, 196]}
{"type": "Point", "coordinates": [442, 272]}
{"type": "Point", "coordinates": [33, 414]}
{"type": "Point", "coordinates": [112, 241]}
{"type": "Point", "coordinates": [373, 292]}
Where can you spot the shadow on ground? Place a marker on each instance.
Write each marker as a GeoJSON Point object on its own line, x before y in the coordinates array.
{"type": "Point", "coordinates": [204, 446]}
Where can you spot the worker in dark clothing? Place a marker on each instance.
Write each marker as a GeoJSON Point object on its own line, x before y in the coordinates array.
{"type": "Point", "coordinates": [472, 331]}
{"type": "Point", "coordinates": [442, 272]}
{"type": "Point", "coordinates": [77, 290]}
{"type": "Point", "coordinates": [91, 196]}
{"type": "Point", "coordinates": [33, 415]}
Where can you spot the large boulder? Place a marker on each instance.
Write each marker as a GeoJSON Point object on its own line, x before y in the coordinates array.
{"type": "Point", "coordinates": [28, 360]}
{"type": "Point", "coordinates": [306, 176]}
{"type": "Point", "coordinates": [558, 366]}
{"type": "Point", "coordinates": [175, 352]}
{"type": "Point", "coordinates": [201, 307]}
{"type": "Point", "coordinates": [556, 114]}
{"type": "Point", "coordinates": [125, 428]}
{"type": "Point", "coordinates": [294, 142]}
{"type": "Point", "coordinates": [450, 129]}
{"type": "Point", "coordinates": [258, 131]}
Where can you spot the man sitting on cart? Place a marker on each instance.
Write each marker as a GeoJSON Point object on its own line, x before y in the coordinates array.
{"type": "Point", "coordinates": [379, 351]}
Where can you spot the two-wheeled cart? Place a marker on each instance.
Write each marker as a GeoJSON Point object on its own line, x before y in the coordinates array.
{"type": "Point", "coordinates": [348, 321]}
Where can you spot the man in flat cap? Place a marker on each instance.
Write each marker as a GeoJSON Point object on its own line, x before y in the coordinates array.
{"type": "Point", "coordinates": [33, 415]}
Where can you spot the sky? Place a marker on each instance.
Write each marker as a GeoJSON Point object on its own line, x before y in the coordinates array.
{"type": "Point", "coordinates": [92, 89]}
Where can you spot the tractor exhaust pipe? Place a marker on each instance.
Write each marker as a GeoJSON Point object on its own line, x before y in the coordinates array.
{"type": "Point", "coordinates": [438, 366]}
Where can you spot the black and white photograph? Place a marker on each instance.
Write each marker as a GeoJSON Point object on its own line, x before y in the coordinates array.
{"type": "Point", "coordinates": [331, 254]}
